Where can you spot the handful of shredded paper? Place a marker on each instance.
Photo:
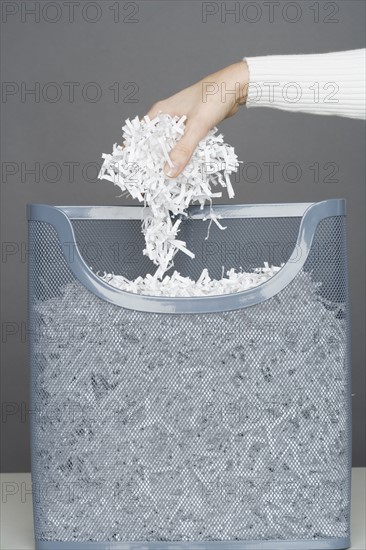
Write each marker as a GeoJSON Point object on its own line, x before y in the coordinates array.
{"type": "Point", "coordinates": [137, 167]}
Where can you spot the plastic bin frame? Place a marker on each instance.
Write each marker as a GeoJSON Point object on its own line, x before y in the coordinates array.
{"type": "Point", "coordinates": [311, 213]}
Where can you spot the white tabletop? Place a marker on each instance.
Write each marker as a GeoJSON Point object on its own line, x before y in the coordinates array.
{"type": "Point", "coordinates": [16, 523]}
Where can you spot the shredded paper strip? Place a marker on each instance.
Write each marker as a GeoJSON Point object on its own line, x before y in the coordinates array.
{"type": "Point", "coordinates": [137, 168]}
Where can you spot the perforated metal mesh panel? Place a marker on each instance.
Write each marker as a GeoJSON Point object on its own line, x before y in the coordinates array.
{"type": "Point", "coordinates": [114, 246]}
{"type": "Point", "coordinates": [223, 426]}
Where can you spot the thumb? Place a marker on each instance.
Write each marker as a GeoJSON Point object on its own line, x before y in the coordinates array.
{"type": "Point", "coordinates": [182, 152]}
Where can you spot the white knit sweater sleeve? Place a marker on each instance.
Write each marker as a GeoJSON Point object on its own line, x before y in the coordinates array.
{"type": "Point", "coordinates": [325, 84]}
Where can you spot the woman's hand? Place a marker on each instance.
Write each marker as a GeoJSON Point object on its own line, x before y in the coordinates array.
{"type": "Point", "coordinates": [206, 103]}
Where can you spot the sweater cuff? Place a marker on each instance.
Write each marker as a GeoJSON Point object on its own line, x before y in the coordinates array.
{"type": "Point", "coordinates": [329, 84]}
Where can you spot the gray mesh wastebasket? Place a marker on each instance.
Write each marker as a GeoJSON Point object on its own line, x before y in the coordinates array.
{"type": "Point", "coordinates": [219, 422]}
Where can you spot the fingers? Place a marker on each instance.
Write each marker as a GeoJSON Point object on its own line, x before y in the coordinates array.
{"type": "Point", "coordinates": [182, 152]}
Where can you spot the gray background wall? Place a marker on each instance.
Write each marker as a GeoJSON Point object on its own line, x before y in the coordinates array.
{"type": "Point", "coordinates": [151, 50]}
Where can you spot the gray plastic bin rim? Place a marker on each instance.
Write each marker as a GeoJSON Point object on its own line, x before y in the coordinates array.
{"type": "Point", "coordinates": [311, 215]}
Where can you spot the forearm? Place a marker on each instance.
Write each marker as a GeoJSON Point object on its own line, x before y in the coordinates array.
{"type": "Point", "coordinates": [327, 84]}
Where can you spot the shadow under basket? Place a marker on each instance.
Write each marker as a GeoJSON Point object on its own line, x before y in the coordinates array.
{"type": "Point", "coordinates": [216, 422]}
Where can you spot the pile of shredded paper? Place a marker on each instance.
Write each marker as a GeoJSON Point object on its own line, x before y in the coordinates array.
{"type": "Point", "coordinates": [146, 414]}
{"type": "Point", "coordinates": [176, 285]}
{"type": "Point", "coordinates": [137, 168]}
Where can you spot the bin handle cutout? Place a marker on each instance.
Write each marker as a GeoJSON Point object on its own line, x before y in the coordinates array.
{"type": "Point", "coordinates": [312, 213]}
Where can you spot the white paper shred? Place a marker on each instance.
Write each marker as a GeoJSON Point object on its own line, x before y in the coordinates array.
{"type": "Point", "coordinates": [137, 167]}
